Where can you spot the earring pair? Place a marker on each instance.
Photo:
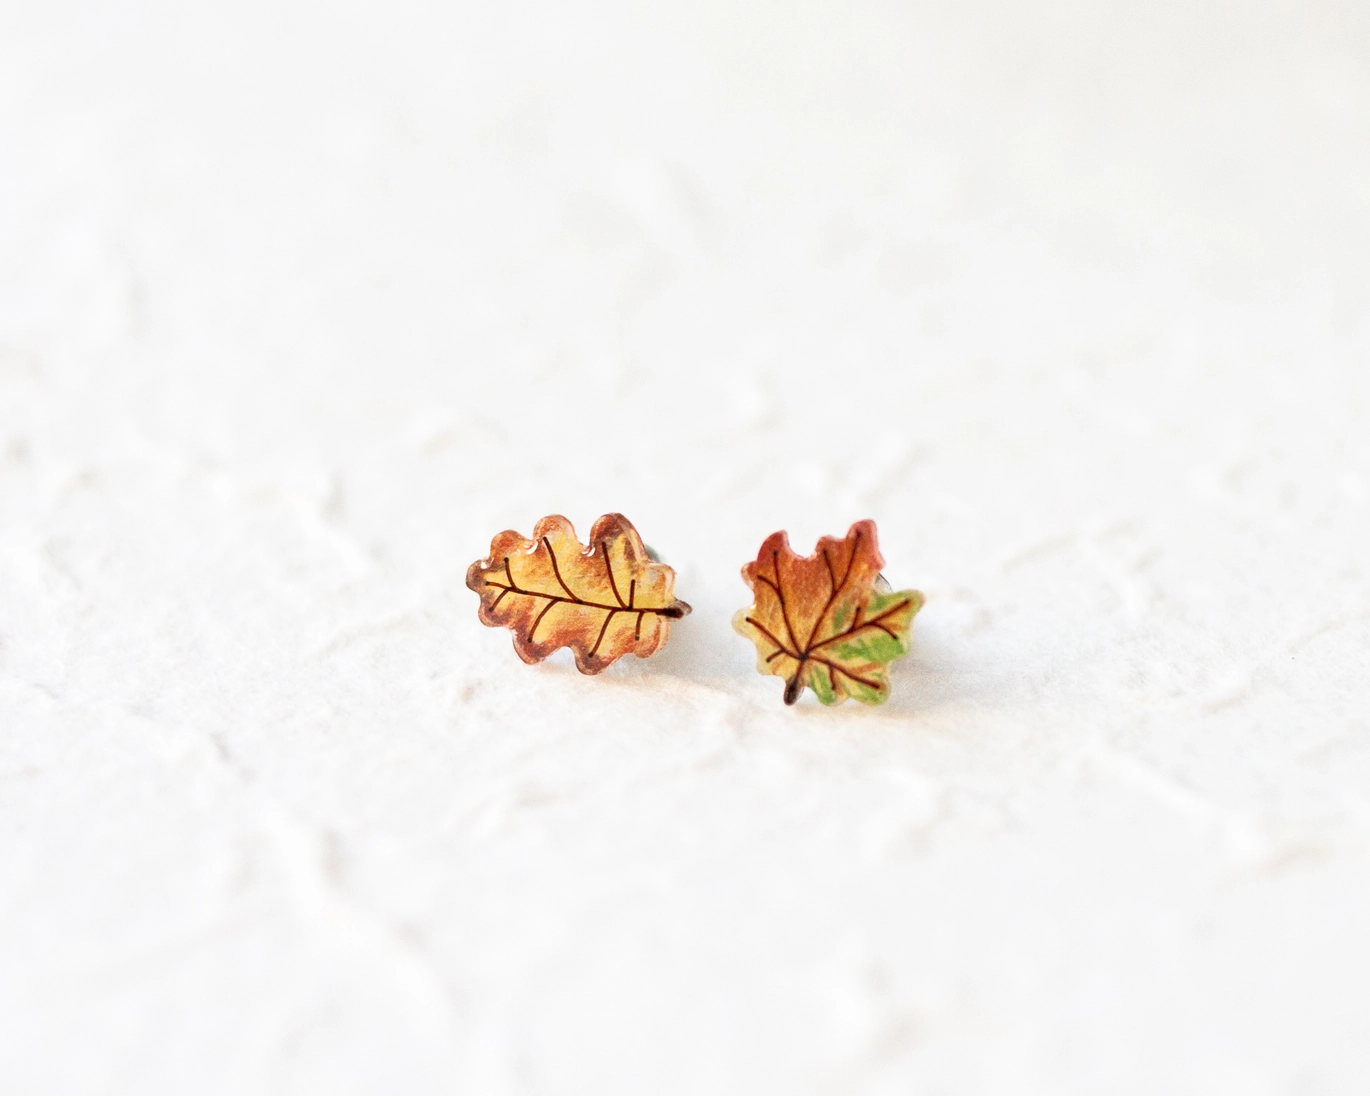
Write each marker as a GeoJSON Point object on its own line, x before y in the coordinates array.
{"type": "Point", "coordinates": [829, 622]}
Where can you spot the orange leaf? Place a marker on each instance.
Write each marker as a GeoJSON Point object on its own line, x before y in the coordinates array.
{"type": "Point", "coordinates": [828, 620]}
{"type": "Point", "coordinates": [602, 601]}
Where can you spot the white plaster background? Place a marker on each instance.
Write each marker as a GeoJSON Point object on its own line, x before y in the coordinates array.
{"type": "Point", "coordinates": [300, 304]}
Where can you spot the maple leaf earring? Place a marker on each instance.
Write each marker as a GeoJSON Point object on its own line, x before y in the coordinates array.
{"type": "Point", "coordinates": [829, 621]}
{"type": "Point", "coordinates": [603, 600]}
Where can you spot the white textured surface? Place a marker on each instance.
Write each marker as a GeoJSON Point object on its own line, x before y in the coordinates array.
{"type": "Point", "coordinates": [299, 305]}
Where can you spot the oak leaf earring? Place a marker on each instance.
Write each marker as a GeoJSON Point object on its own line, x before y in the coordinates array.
{"type": "Point", "coordinates": [603, 600]}
{"type": "Point", "coordinates": [828, 621]}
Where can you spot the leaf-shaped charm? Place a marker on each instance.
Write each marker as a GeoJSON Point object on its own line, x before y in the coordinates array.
{"type": "Point", "coordinates": [827, 621]}
{"type": "Point", "coordinates": [602, 601]}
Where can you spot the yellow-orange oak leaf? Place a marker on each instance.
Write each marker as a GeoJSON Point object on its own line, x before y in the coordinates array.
{"type": "Point", "coordinates": [603, 601]}
{"type": "Point", "coordinates": [827, 620]}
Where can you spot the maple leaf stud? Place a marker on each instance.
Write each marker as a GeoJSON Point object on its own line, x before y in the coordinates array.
{"type": "Point", "coordinates": [603, 600]}
{"type": "Point", "coordinates": [829, 620]}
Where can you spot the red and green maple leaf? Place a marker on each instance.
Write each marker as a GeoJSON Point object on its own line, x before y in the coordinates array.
{"type": "Point", "coordinates": [827, 621]}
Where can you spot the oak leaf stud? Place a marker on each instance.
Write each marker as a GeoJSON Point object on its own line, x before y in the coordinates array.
{"type": "Point", "coordinates": [827, 621]}
{"type": "Point", "coordinates": [603, 600]}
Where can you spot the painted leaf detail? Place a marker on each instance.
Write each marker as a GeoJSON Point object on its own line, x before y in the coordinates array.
{"type": "Point", "coordinates": [603, 601]}
{"type": "Point", "coordinates": [827, 621]}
